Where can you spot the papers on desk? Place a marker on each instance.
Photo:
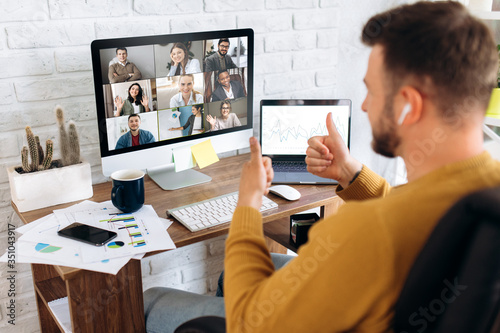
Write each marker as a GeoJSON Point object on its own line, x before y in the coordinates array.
{"type": "Point", "coordinates": [60, 309]}
{"type": "Point", "coordinates": [138, 233]}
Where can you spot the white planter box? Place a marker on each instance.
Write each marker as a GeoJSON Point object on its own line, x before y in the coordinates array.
{"type": "Point", "coordinates": [51, 187]}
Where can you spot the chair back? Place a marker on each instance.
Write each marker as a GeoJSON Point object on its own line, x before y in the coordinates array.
{"type": "Point", "coordinates": [454, 284]}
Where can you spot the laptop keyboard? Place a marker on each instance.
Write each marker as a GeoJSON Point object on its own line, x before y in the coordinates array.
{"type": "Point", "coordinates": [290, 166]}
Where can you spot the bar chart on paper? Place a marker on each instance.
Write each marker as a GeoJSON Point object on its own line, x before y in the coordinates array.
{"type": "Point", "coordinates": [287, 129]}
{"type": "Point", "coordinates": [137, 232]}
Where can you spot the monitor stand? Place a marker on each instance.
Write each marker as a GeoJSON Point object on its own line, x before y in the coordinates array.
{"type": "Point", "coordinates": [166, 177]}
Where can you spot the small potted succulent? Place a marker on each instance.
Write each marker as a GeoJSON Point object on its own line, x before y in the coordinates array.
{"type": "Point", "coordinates": [41, 181]}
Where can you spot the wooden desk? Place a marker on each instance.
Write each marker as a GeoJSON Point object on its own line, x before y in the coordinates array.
{"type": "Point", "coordinates": [113, 303]}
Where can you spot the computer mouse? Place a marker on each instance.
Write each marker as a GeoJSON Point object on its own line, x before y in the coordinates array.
{"type": "Point", "coordinates": [285, 191]}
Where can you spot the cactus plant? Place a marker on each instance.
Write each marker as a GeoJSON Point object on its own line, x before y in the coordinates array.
{"type": "Point", "coordinates": [70, 145]}
{"type": "Point", "coordinates": [25, 160]}
{"type": "Point", "coordinates": [74, 144]}
{"type": "Point", "coordinates": [47, 161]}
{"type": "Point", "coordinates": [70, 148]}
{"type": "Point", "coordinates": [40, 150]}
{"type": "Point", "coordinates": [33, 151]}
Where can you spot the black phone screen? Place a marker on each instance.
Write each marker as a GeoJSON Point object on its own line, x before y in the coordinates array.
{"type": "Point", "coordinates": [87, 234]}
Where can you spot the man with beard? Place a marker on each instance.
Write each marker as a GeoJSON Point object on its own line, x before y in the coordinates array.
{"type": "Point", "coordinates": [135, 136]}
{"type": "Point", "coordinates": [430, 74]}
{"type": "Point", "coordinates": [220, 60]}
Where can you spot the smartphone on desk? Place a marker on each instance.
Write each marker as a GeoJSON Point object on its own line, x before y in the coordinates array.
{"type": "Point", "coordinates": [87, 234]}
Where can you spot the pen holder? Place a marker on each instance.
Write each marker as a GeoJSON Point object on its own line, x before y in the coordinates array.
{"type": "Point", "coordinates": [299, 227]}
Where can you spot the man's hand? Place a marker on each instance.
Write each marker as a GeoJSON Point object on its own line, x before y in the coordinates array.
{"type": "Point", "coordinates": [256, 177]}
{"type": "Point", "coordinates": [328, 156]}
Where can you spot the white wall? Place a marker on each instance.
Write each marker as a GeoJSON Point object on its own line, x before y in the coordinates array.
{"type": "Point", "coordinates": [304, 49]}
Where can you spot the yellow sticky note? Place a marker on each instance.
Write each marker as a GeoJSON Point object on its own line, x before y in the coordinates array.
{"type": "Point", "coordinates": [204, 153]}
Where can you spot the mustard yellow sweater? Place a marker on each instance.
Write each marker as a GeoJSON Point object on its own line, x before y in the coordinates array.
{"type": "Point", "coordinates": [350, 273]}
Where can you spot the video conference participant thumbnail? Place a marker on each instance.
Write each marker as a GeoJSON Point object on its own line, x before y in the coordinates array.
{"type": "Point", "coordinates": [178, 58]}
{"type": "Point", "coordinates": [181, 63]}
{"type": "Point", "coordinates": [227, 114]}
{"type": "Point", "coordinates": [127, 63]}
{"type": "Point", "coordinates": [123, 70]}
{"type": "Point", "coordinates": [135, 136]}
{"type": "Point", "coordinates": [194, 123]}
{"type": "Point", "coordinates": [136, 102]}
{"type": "Point", "coordinates": [227, 89]}
{"type": "Point", "coordinates": [186, 95]}
{"type": "Point", "coordinates": [220, 60]}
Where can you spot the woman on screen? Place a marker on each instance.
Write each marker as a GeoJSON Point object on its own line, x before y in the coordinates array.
{"type": "Point", "coordinates": [226, 119]}
{"type": "Point", "coordinates": [186, 95]}
{"type": "Point", "coordinates": [194, 122]}
{"type": "Point", "coordinates": [136, 102]}
{"type": "Point", "coordinates": [181, 64]}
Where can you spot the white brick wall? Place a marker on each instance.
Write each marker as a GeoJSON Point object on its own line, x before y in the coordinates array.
{"type": "Point", "coordinates": [304, 49]}
{"type": "Point", "coordinates": [73, 59]}
{"type": "Point", "coordinates": [6, 96]}
{"type": "Point", "coordinates": [27, 63]}
{"type": "Point", "coordinates": [167, 7]}
{"type": "Point", "coordinates": [68, 9]}
{"type": "Point", "coordinates": [28, 10]}
{"type": "Point", "coordinates": [36, 89]}
{"type": "Point", "coordinates": [49, 34]}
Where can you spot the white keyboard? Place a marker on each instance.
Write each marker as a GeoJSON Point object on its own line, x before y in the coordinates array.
{"type": "Point", "coordinates": [212, 212]}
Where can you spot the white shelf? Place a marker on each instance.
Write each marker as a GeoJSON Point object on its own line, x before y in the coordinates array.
{"type": "Point", "coordinates": [487, 15]}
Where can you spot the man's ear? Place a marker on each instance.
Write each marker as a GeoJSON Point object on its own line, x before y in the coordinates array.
{"type": "Point", "coordinates": [412, 100]}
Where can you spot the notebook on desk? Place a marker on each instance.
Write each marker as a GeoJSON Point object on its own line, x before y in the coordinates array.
{"type": "Point", "coordinates": [285, 127]}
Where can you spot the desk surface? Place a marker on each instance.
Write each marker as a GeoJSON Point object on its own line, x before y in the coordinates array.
{"type": "Point", "coordinates": [225, 179]}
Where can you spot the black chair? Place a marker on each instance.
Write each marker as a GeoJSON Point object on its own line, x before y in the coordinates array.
{"type": "Point", "coordinates": [206, 324]}
{"type": "Point", "coordinates": [454, 284]}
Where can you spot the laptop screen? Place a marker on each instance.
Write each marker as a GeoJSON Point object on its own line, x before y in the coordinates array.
{"type": "Point", "coordinates": [286, 125]}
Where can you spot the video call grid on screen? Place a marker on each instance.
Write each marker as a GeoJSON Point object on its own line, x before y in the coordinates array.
{"type": "Point", "coordinates": [163, 111]}
{"type": "Point", "coordinates": [286, 128]}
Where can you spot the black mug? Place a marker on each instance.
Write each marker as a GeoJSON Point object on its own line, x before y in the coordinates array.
{"type": "Point", "coordinates": [128, 190]}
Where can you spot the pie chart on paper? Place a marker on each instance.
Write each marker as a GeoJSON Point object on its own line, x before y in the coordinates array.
{"type": "Point", "coordinates": [116, 245]}
{"type": "Point", "coordinates": [46, 248]}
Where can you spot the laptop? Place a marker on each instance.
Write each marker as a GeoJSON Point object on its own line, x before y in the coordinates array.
{"type": "Point", "coordinates": [285, 127]}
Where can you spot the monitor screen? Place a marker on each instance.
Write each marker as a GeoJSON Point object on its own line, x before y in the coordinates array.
{"type": "Point", "coordinates": [155, 93]}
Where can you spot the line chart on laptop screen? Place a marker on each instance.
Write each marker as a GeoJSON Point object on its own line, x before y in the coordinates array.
{"type": "Point", "coordinates": [286, 129]}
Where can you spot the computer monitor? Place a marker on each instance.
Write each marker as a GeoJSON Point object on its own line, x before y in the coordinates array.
{"type": "Point", "coordinates": [174, 91]}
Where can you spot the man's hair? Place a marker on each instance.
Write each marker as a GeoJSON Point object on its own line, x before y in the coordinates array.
{"type": "Point", "coordinates": [121, 48]}
{"type": "Point", "coordinates": [222, 71]}
{"type": "Point", "coordinates": [134, 115]}
{"type": "Point", "coordinates": [222, 40]}
{"type": "Point", "coordinates": [440, 49]}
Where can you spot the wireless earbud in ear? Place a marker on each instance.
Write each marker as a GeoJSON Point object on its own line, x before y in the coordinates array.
{"type": "Point", "coordinates": [404, 113]}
